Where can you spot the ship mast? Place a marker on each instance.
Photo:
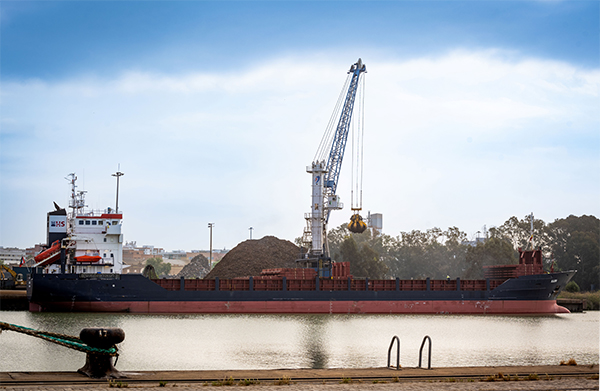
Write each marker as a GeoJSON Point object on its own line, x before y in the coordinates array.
{"type": "Point", "coordinates": [531, 236]}
{"type": "Point", "coordinates": [77, 202]}
{"type": "Point", "coordinates": [118, 174]}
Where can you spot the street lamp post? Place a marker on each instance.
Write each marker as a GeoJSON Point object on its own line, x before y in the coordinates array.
{"type": "Point", "coordinates": [210, 226]}
{"type": "Point", "coordinates": [118, 174]}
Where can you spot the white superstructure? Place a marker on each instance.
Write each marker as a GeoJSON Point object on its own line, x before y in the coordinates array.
{"type": "Point", "coordinates": [97, 242]}
{"type": "Point", "coordinates": [93, 242]}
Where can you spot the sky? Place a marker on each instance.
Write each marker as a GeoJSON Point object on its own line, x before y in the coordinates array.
{"type": "Point", "coordinates": [475, 111]}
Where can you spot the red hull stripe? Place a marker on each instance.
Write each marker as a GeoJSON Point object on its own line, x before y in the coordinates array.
{"type": "Point", "coordinates": [500, 307]}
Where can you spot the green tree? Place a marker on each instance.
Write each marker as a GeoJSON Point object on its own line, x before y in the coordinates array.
{"type": "Point", "coordinates": [364, 262]}
{"type": "Point", "coordinates": [380, 243]}
{"type": "Point", "coordinates": [572, 287]}
{"type": "Point", "coordinates": [433, 253]}
{"type": "Point", "coordinates": [573, 242]}
{"type": "Point", "coordinates": [494, 251]}
{"type": "Point", "coordinates": [162, 268]}
{"type": "Point", "coordinates": [518, 233]}
{"type": "Point", "coordinates": [349, 252]}
{"type": "Point", "coordinates": [456, 251]}
{"type": "Point", "coordinates": [407, 257]}
{"type": "Point", "coordinates": [576, 246]}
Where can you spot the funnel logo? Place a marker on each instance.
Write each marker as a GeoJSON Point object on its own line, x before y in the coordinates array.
{"type": "Point", "coordinates": [317, 179]}
{"type": "Point", "coordinates": [57, 224]}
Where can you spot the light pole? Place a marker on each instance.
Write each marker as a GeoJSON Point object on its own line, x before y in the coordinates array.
{"type": "Point", "coordinates": [210, 226]}
{"type": "Point", "coordinates": [250, 229]}
{"type": "Point", "coordinates": [118, 174]}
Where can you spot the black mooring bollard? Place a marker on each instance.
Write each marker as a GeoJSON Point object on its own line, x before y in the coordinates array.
{"type": "Point", "coordinates": [98, 366]}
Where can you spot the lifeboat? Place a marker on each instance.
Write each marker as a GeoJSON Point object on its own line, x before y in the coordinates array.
{"type": "Point", "coordinates": [49, 255]}
{"type": "Point", "coordinates": [88, 258]}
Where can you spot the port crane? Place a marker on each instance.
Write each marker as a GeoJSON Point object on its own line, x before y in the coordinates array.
{"type": "Point", "coordinates": [326, 167]}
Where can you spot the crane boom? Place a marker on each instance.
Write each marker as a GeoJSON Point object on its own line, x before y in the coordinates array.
{"type": "Point", "coordinates": [336, 155]}
{"type": "Point", "coordinates": [326, 174]}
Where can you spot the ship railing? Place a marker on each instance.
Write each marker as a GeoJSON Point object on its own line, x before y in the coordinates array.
{"type": "Point", "coordinates": [281, 283]}
{"type": "Point", "coordinates": [97, 212]}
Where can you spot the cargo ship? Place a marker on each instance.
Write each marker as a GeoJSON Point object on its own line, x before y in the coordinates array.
{"type": "Point", "coordinates": [82, 271]}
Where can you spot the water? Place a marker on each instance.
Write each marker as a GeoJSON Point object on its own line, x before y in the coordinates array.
{"type": "Point", "coordinates": [203, 342]}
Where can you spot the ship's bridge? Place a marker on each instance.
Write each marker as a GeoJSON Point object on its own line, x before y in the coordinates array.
{"type": "Point", "coordinates": [102, 223]}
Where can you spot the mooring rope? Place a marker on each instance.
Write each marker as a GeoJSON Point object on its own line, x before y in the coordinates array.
{"type": "Point", "coordinates": [61, 339]}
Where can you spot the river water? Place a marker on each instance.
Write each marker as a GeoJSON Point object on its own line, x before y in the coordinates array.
{"type": "Point", "coordinates": [203, 342]}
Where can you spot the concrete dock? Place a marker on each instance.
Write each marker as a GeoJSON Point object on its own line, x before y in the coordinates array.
{"type": "Point", "coordinates": [13, 300]}
{"type": "Point", "coordinates": [554, 377]}
{"type": "Point", "coordinates": [573, 305]}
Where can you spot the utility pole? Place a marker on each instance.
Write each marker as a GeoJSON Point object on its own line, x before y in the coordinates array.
{"type": "Point", "coordinates": [118, 174]}
{"type": "Point", "coordinates": [250, 229]}
{"type": "Point", "coordinates": [210, 226]}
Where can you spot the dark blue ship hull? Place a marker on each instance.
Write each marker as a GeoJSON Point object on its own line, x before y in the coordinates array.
{"type": "Point", "coordinates": [534, 294]}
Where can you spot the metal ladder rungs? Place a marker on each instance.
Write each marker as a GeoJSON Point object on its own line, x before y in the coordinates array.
{"type": "Point", "coordinates": [426, 338]}
{"type": "Point", "coordinates": [394, 339]}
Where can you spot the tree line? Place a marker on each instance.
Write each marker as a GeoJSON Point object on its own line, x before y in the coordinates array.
{"type": "Point", "coordinates": [571, 243]}
{"type": "Point", "coordinates": [161, 268]}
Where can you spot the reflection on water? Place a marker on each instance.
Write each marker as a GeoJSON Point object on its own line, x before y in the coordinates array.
{"type": "Point", "coordinates": [313, 340]}
{"type": "Point", "coordinates": [202, 342]}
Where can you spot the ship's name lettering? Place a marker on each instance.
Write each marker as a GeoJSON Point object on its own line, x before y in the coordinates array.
{"type": "Point", "coordinates": [99, 276]}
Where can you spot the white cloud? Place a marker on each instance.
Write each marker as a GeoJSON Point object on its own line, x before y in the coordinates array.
{"type": "Point", "coordinates": [465, 139]}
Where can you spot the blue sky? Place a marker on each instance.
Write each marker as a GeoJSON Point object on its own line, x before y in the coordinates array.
{"type": "Point", "coordinates": [58, 39]}
{"type": "Point", "coordinates": [475, 112]}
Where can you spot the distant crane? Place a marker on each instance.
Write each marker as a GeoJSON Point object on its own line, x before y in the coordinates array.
{"type": "Point", "coordinates": [326, 167]}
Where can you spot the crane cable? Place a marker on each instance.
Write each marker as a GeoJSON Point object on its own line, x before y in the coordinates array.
{"type": "Point", "coordinates": [358, 151]}
{"type": "Point", "coordinates": [327, 139]}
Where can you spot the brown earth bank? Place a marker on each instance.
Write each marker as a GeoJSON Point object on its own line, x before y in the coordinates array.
{"type": "Point", "coordinates": [250, 257]}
